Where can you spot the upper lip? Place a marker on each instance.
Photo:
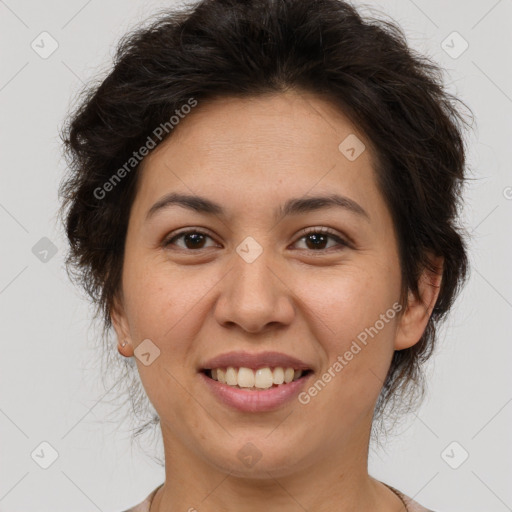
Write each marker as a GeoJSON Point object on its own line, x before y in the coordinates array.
{"type": "Point", "coordinates": [255, 361]}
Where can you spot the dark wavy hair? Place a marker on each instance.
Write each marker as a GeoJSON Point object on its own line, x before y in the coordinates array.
{"type": "Point", "coordinates": [226, 48]}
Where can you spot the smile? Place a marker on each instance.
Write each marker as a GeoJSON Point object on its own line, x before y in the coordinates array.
{"type": "Point", "coordinates": [249, 379]}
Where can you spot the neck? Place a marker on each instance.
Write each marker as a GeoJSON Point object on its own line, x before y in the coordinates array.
{"type": "Point", "coordinates": [338, 481]}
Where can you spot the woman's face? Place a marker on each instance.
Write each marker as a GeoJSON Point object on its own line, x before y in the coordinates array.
{"type": "Point", "coordinates": [251, 280]}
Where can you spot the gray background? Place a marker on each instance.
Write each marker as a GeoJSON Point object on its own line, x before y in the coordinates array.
{"type": "Point", "coordinates": [50, 386]}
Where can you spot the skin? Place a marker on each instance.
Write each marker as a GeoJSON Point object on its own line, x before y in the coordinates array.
{"type": "Point", "coordinates": [251, 155]}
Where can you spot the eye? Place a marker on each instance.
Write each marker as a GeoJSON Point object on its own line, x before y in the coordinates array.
{"type": "Point", "coordinates": [192, 239]}
{"type": "Point", "coordinates": [316, 238]}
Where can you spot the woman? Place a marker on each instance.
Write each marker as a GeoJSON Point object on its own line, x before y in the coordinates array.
{"type": "Point", "coordinates": [262, 202]}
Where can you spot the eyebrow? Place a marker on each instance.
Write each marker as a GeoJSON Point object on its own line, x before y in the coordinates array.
{"type": "Point", "coordinates": [295, 206]}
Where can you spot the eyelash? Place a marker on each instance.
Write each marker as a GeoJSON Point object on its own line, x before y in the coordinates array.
{"type": "Point", "coordinates": [304, 233]}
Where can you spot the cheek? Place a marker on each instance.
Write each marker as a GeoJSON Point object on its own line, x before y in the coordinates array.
{"type": "Point", "coordinates": [346, 302]}
{"type": "Point", "coordinates": [362, 316]}
{"type": "Point", "coordinates": [162, 305]}
{"type": "Point", "coordinates": [163, 301]}
{"type": "Point", "coordinates": [355, 323]}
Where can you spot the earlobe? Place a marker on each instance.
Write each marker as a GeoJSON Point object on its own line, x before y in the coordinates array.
{"type": "Point", "coordinates": [419, 308]}
{"type": "Point", "coordinates": [120, 325]}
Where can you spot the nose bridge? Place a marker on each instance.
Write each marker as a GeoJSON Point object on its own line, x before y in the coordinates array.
{"type": "Point", "coordinates": [253, 279]}
{"type": "Point", "coordinates": [253, 295]}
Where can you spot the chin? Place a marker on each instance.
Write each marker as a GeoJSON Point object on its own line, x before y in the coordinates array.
{"type": "Point", "coordinates": [256, 457]}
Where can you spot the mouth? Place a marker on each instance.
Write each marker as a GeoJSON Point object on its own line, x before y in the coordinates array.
{"type": "Point", "coordinates": [259, 379]}
{"type": "Point", "coordinates": [255, 382]}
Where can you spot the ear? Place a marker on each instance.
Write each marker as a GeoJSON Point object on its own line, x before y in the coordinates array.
{"type": "Point", "coordinates": [121, 327]}
{"type": "Point", "coordinates": [414, 320]}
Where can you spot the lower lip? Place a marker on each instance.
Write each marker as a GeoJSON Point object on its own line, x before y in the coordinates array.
{"type": "Point", "coordinates": [255, 401]}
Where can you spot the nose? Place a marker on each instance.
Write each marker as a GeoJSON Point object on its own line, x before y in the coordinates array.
{"type": "Point", "coordinates": [255, 296]}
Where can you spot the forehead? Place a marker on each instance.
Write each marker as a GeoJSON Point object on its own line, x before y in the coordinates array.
{"type": "Point", "coordinates": [283, 122]}
{"type": "Point", "coordinates": [287, 142]}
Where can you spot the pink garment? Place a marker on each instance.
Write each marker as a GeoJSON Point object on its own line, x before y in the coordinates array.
{"type": "Point", "coordinates": [412, 505]}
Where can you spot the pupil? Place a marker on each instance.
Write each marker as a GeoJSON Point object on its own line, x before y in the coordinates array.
{"type": "Point", "coordinates": [195, 238]}
{"type": "Point", "coordinates": [317, 238]}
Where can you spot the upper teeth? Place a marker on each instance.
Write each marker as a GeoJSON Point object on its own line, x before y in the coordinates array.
{"type": "Point", "coordinates": [262, 378]}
